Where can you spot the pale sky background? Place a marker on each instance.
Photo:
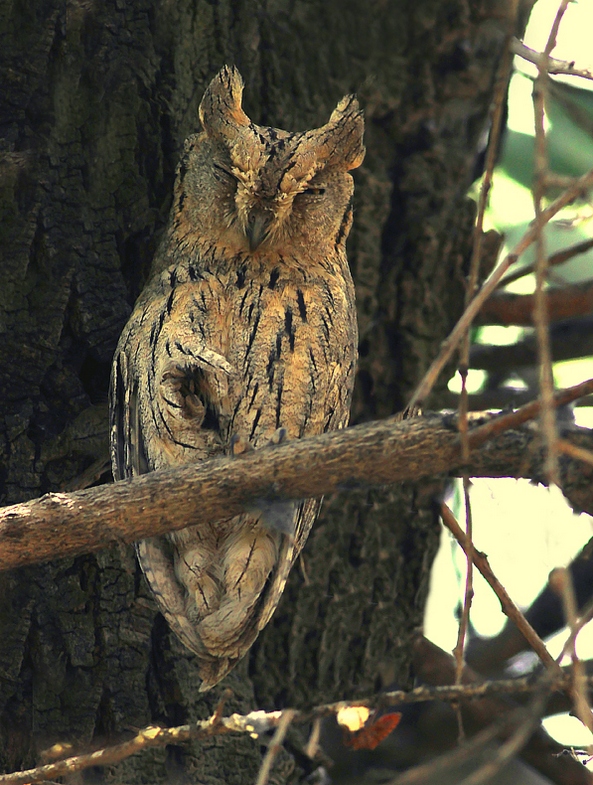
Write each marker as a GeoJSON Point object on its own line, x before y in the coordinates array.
{"type": "Point", "coordinates": [525, 530]}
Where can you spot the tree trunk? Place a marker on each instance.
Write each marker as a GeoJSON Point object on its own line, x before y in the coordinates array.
{"type": "Point", "coordinates": [97, 100]}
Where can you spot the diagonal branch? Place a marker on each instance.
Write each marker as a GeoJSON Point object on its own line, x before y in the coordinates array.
{"type": "Point", "coordinates": [509, 608]}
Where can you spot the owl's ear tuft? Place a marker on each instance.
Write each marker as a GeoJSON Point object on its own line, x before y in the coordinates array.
{"type": "Point", "coordinates": [341, 139]}
{"type": "Point", "coordinates": [220, 110]}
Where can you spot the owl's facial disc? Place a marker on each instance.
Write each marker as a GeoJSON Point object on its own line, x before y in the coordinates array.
{"type": "Point", "coordinates": [253, 214]}
{"type": "Point", "coordinates": [258, 211]}
{"type": "Point", "coordinates": [265, 212]}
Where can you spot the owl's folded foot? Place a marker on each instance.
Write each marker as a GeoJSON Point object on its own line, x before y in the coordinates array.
{"type": "Point", "coordinates": [279, 436]}
{"type": "Point", "coordinates": [273, 514]}
{"type": "Point", "coordinates": [238, 445]}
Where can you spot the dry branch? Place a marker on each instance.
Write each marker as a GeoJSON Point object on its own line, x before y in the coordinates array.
{"type": "Point", "coordinates": [553, 260]}
{"type": "Point", "coordinates": [473, 693]}
{"type": "Point", "coordinates": [579, 186]}
{"type": "Point", "coordinates": [275, 746]}
{"type": "Point", "coordinates": [517, 309]}
{"type": "Point", "coordinates": [561, 580]}
{"type": "Point", "coordinates": [375, 453]}
{"type": "Point", "coordinates": [434, 666]}
{"type": "Point", "coordinates": [551, 64]}
{"type": "Point", "coordinates": [497, 111]}
{"type": "Point", "coordinates": [570, 340]}
{"type": "Point", "coordinates": [508, 606]}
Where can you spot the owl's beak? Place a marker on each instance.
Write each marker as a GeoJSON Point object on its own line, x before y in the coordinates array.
{"type": "Point", "coordinates": [258, 226]}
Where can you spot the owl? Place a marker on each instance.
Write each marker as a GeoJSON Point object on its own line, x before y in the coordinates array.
{"type": "Point", "coordinates": [246, 334]}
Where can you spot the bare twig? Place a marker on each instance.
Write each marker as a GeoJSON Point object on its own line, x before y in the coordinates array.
{"type": "Point", "coordinates": [437, 667]}
{"type": "Point", "coordinates": [524, 722]}
{"type": "Point", "coordinates": [582, 620]}
{"type": "Point", "coordinates": [528, 412]}
{"type": "Point", "coordinates": [527, 721]}
{"type": "Point", "coordinates": [575, 452]}
{"type": "Point", "coordinates": [431, 772]}
{"type": "Point", "coordinates": [257, 722]}
{"type": "Point", "coordinates": [470, 555]}
{"type": "Point", "coordinates": [448, 346]}
{"type": "Point", "coordinates": [500, 91]}
{"type": "Point", "coordinates": [508, 606]}
{"type": "Point", "coordinates": [148, 737]}
{"type": "Point", "coordinates": [551, 64]}
{"type": "Point", "coordinates": [275, 746]}
{"type": "Point", "coordinates": [312, 745]}
{"type": "Point", "coordinates": [226, 695]}
{"type": "Point", "coordinates": [540, 308]}
{"type": "Point", "coordinates": [561, 580]}
{"type": "Point", "coordinates": [555, 259]}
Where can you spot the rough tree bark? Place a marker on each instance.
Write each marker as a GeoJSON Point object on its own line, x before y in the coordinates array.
{"type": "Point", "coordinates": [96, 101]}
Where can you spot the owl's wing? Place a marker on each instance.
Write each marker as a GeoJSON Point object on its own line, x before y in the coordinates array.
{"type": "Point", "coordinates": [305, 514]}
{"type": "Point", "coordinates": [336, 407]}
{"type": "Point", "coordinates": [130, 459]}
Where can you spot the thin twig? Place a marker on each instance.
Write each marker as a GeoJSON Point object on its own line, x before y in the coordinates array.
{"type": "Point", "coordinates": [434, 770]}
{"type": "Point", "coordinates": [540, 309]}
{"type": "Point", "coordinates": [527, 721]}
{"type": "Point", "coordinates": [500, 91]}
{"type": "Point", "coordinates": [469, 588]}
{"type": "Point", "coordinates": [508, 606]}
{"type": "Point", "coordinates": [505, 422]}
{"type": "Point", "coordinates": [312, 745]}
{"type": "Point", "coordinates": [257, 722]}
{"type": "Point", "coordinates": [275, 746]}
{"type": "Point", "coordinates": [107, 756]}
{"type": "Point", "coordinates": [561, 580]}
{"type": "Point", "coordinates": [584, 618]}
{"type": "Point", "coordinates": [554, 259]}
{"type": "Point", "coordinates": [551, 64]}
{"type": "Point", "coordinates": [448, 346]}
{"type": "Point", "coordinates": [226, 695]}
{"type": "Point", "coordinates": [567, 448]}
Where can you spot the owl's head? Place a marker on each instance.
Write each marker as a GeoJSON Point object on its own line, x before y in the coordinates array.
{"type": "Point", "coordinates": [258, 188]}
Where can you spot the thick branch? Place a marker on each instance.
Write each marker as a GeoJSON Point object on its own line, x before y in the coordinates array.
{"type": "Point", "coordinates": [563, 303]}
{"type": "Point", "coordinates": [375, 453]}
{"type": "Point", "coordinates": [570, 339]}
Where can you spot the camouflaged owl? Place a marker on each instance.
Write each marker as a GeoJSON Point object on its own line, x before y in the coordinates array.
{"type": "Point", "coordinates": [246, 334]}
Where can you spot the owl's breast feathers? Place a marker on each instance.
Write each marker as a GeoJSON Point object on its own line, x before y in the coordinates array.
{"type": "Point", "coordinates": [211, 355]}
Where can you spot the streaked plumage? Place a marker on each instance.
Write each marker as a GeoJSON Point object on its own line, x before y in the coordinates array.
{"type": "Point", "coordinates": [247, 326]}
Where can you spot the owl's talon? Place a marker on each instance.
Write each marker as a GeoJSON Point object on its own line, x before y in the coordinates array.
{"type": "Point", "coordinates": [409, 413]}
{"type": "Point", "coordinates": [238, 445]}
{"type": "Point", "coordinates": [275, 516]}
{"type": "Point", "coordinates": [279, 436]}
